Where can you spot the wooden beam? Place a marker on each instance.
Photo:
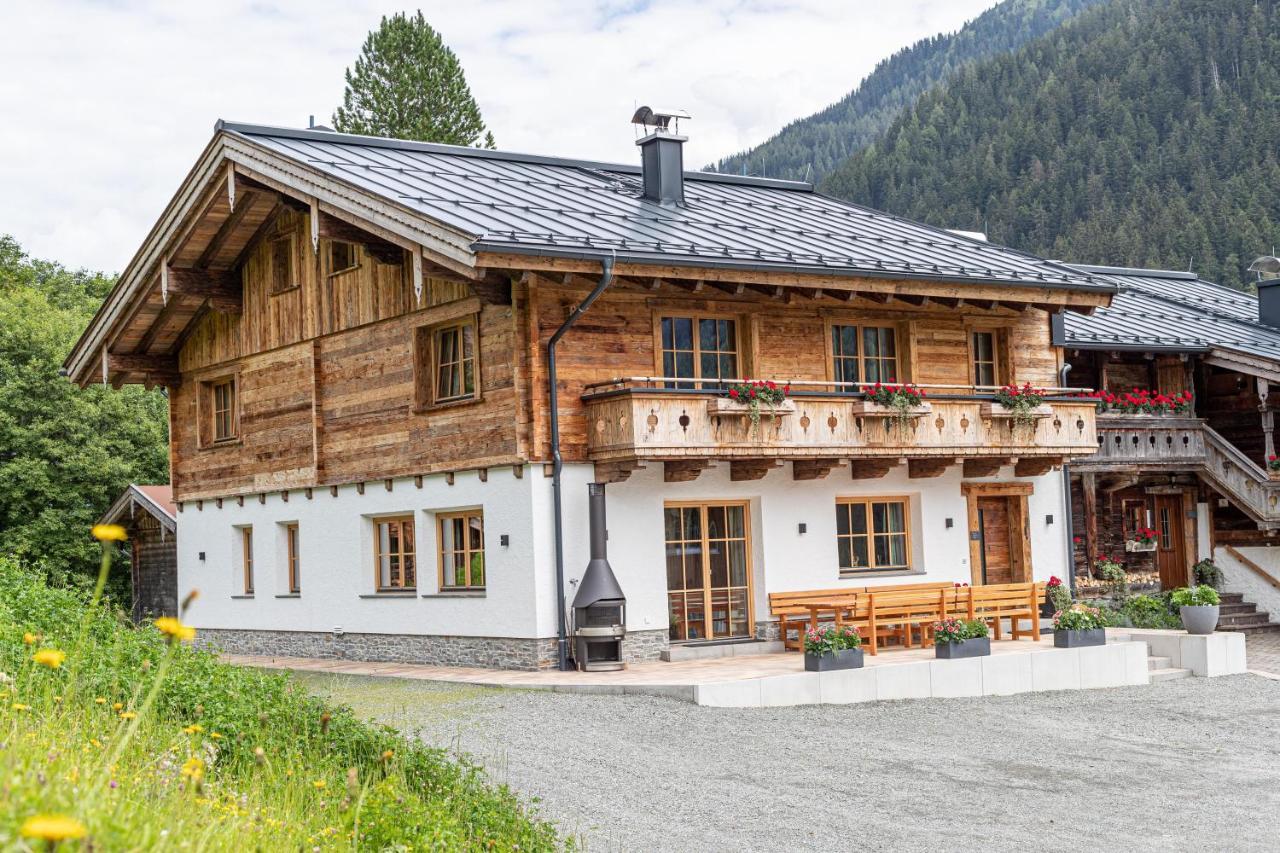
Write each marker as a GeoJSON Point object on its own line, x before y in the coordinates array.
{"type": "Point", "coordinates": [910, 298]}
{"type": "Point", "coordinates": [221, 289]}
{"type": "Point", "coordinates": [135, 363]}
{"type": "Point", "coordinates": [683, 470]}
{"type": "Point", "coordinates": [1034, 466]}
{"type": "Point", "coordinates": [813, 469]}
{"type": "Point", "coordinates": [616, 472]}
{"type": "Point", "coordinates": [734, 288]}
{"type": "Point", "coordinates": [333, 228]}
{"type": "Point", "coordinates": [226, 229]}
{"type": "Point", "coordinates": [741, 470]}
{"type": "Point", "coordinates": [985, 466]}
{"type": "Point", "coordinates": [495, 288]}
{"type": "Point", "coordinates": [929, 466]}
{"type": "Point", "coordinates": [1089, 494]}
{"type": "Point", "coordinates": [871, 469]}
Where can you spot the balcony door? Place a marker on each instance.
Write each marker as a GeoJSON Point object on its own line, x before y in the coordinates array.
{"type": "Point", "coordinates": [1171, 554]}
{"type": "Point", "coordinates": [708, 547]}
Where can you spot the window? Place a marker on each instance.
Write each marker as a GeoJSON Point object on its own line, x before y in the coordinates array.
{"type": "Point", "coordinates": [864, 354]}
{"type": "Point", "coordinates": [283, 275]}
{"type": "Point", "coordinates": [225, 422]}
{"type": "Point", "coordinates": [291, 557]}
{"type": "Point", "coordinates": [699, 348]}
{"type": "Point", "coordinates": [462, 550]}
{"type": "Point", "coordinates": [246, 558]}
{"type": "Point", "coordinates": [342, 256]}
{"type": "Point", "coordinates": [447, 363]}
{"type": "Point", "coordinates": [872, 534]}
{"type": "Point", "coordinates": [394, 553]}
{"type": "Point", "coordinates": [983, 345]}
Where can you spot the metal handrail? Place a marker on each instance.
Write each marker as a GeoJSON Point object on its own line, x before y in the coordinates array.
{"type": "Point", "coordinates": [853, 387]}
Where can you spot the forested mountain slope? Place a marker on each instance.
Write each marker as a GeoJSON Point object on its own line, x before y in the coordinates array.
{"type": "Point", "coordinates": [1143, 133]}
{"type": "Point", "coordinates": [827, 138]}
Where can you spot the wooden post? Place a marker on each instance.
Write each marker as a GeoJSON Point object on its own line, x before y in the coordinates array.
{"type": "Point", "coordinates": [1268, 421]}
{"type": "Point", "coordinates": [1089, 491]}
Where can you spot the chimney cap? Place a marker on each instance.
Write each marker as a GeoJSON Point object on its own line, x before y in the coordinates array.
{"type": "Point", "coordinates": [1268, 264]}
{"type": "Point", "coordinates": [659, 120]}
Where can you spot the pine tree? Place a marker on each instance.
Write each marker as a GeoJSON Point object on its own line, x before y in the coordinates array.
{"type": "Point", "coordinates": [408, 84]}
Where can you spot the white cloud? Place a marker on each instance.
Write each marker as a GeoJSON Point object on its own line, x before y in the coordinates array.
{"type": "Point", "coordinates": [107, 104]}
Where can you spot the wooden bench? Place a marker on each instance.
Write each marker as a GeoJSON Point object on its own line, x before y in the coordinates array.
{"type": "Point", "coordinates": [1012, 601]}
{"type": "Point", "coordinates": [794, 609]}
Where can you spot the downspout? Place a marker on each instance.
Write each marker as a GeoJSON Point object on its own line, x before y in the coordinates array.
{"type": "Point", "coordinates": [562, 631]}
{"type": "Point", "coordinates": [1066, 504]}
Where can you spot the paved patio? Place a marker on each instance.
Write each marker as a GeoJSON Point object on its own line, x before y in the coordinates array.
{"type": "Point", "coordinates": [1264, 653]}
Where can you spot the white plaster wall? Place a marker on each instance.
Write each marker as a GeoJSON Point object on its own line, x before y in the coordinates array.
{"type": "Point", "coordinates": [1241, 579]}
{"type": "Point", "coordinates": [337, 562]}
{"type": "Point", "coordinates": [783, 558]}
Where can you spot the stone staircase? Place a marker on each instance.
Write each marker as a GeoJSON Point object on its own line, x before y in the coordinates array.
{"type": "Point", "coordinates": [1236, 614]}
{"type": "Point", "coordinates": [1162, 669]}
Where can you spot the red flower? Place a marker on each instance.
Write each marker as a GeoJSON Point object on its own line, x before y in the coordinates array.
{"type": "Point", "coordinates": [752, 392]}
{"type": "Point", "coordinates": [733, 392]}
{"type": "Point", "coordinates": [1055, 581]}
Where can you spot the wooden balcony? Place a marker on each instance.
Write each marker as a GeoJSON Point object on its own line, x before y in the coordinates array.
{"type": "Point", "coordinates": [630, 421]}
{"type": "Point", "coordinates": [1147, 442]}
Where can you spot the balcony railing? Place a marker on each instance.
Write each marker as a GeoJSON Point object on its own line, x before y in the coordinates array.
{"type": "Point", "coordinates": [665, 418]}
{"type": "Point", "coordinates": [1147, 441]}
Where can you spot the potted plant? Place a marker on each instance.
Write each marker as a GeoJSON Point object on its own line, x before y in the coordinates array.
{"type": "Point", "coordinates": [1056, 597]}
{"type": "Point", "coordinates": [1078, 625]}
{"type": "Point", "coordinates": [1273, 466]}
{"type": "Point", "coordinates": [829, 648]}
{"type": "Point", "coordinates": [1111, 571]}
{"type": "Point", "coordinates": [961, 638]}
{"type": "Point", "coordinates": [904, 403]}
{"type": "Point", "coordinates": [1207, 572]}
{"type": "Point", "coordinates": [1144, 539]}
{"type": "Point", "coordinates": [747, 398]}
{"type": "Point", "coordinates": [1024, 404]}
{"type": "Point", "coordinates": [1198, 607]}
{"type": "Point", "coordinates": [1142, 401]}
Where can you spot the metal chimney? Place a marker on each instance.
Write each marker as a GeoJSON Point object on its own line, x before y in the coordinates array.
{"type": "Point", "coordinates": [599, 608]}
{"type": "Point", "coordinates": [662, 155]}
{"type": "Point", "coordinates": [1268, 269]}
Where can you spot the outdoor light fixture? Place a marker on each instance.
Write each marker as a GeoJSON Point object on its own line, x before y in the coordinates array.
{"type": "Point", "coordinates": [202, 556]}
{"type": "Point", "coordinates": [803, 528]}
{"type": "Point", "coordinates": [1048, 519]}
{"type": "Point", "coordinates": [950, 523]}
{"type": "Point", "coordinates": [504, 540]}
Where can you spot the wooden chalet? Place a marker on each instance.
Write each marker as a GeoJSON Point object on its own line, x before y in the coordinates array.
{"type": "Point", "coordinates": [356, 334]}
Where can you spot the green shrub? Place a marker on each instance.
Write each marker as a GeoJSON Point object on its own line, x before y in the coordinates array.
{"type": "Point", "coordinates": [1079, 617]}
{"type": "Point", "coordinates": [1207, 573]}
{"type": "Point", "coordinates": [1149, 611]}
{"type": "Point", "coordinates": [1196, 596]}
{"type": "Point", "coordinates": [216, 756]}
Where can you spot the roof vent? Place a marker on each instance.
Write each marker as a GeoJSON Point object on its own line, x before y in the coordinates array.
{"type": "Point", "coordinates": [1268, 269]}
{"type": "Point", "coordinates": [661, 154]}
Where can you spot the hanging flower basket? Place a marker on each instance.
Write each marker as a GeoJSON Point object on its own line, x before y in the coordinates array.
{"type": "Point", "coordinates": [753, 399]}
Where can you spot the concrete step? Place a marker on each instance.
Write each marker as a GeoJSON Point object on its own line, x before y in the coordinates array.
{"type": "Point", "coordinates": [1266, 628]}
{"type": "Point", "coordinates": [1241, 620]}
{"type": "Point", "coordinates": [1154, 663]}
{"type": "Point", "coordinates": [1169, 674]}
{"type": "Point", "coordinates": [1231, 597]}
{"type": "Point", "coordinates": [1233, 609]}
{"type": "Point", "coordinates": [727, 649]}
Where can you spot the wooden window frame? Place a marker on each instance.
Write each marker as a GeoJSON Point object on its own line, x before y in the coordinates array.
{"type": "Point", "coordinates": [206, 413]}
{"type": "Point", "coordinates": [246, 557]}
{"type": "Point", "coordinates": [293, 559]}
{"type": "Point", "coordinates": [672, 313]}
{"type": "Point", "coordinates": [748, 538]}
{"type": "Point", "coordinates": [334, 269]}
{"type": "Point", "coordinates": [291, 277]}
{"type": "Point", "coordinates": [426, 363]}
{"type": "Point", "coordinates": [1001, 355]}
{"type": "Point", "coordinates": [861, 357]}
{"type": "Point", "coordinates": [444, 518]}
{"type": "Point", "coordinates": [404, 522]}
{"type": "Point", "coordinates": [907, 534]}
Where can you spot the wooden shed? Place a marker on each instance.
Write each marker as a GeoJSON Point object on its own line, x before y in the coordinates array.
{"type": "Point", "coordinates": [150, 516]}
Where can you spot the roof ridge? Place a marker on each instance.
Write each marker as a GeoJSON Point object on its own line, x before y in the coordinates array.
{"type": "Point", "coordinates": [1142, 271]}
{"type": "Point", "coordinates": [333, 136]}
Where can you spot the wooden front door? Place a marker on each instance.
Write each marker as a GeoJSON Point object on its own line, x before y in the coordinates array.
{"type": "Point", "coordinates": [708, 549]}
{"type": "Point", "coordinates": [1171, 552]}
{"type": "Point", "coordinates": [994, 529]}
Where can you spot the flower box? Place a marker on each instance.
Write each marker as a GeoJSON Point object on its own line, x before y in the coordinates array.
{"type": "Point", "coordinates": [872, 409]}
{"type": "Point", "coordinates": [993, 410]}
{"type": "Point", "coordinates": [718, 407]}
{"type": "Point", "coordinates": [975, 647]}
{"type": "Point", "coordinates": [1273, 475]}
{"type": "Point", "coordinates": [839, 659]}
{"type": "Point", "coordinates": [1077, 639]}
{"type": "Point", "coordinates": [1133, 546]}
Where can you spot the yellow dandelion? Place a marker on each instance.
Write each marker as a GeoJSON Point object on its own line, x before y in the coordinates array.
{"type": "Point", "coordinates": [52, 827]}
{"type": "Point", "coordinates": [193, 729]}
{"type": "Point", "coordinates": [193, 767]}
{"type": "Point", "coordinates": [109, 533]}
{"type": "Point", "coordinates": [174, 628]}
{"type": "Point", "coordinates": [30, 639]}
{"type": "Point", "coordinates": [51, 658]}
{"type": "Point", "coordinates": [18, 706]}
{"type": "Point", "coordinates": [215, 735]}
{"type": "Point", "coordinates": [117, 706]}
{"type": "Point", "coordinates": [127, 715]}
{"type": "Point", "coordinates": [100, 700]}
{"type": "Point", "coordinates": [318, 784]}
{"type": "Point", "coordinates": [386, 756]}
{"type": "Point", "coordinates": [58, 699]}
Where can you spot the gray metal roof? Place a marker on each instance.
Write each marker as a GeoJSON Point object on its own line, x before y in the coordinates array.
{"type": "Point", "coordinates": [1166, 310]}
{"type": "Point", "coordinates": [549, 206]}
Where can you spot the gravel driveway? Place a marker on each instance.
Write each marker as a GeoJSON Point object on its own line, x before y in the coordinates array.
{"type": "Point", "coordinates": [1184, 765]}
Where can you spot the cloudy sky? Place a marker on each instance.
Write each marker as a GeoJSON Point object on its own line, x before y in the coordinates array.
{"type": "Point", "coordinates": [106, 104]}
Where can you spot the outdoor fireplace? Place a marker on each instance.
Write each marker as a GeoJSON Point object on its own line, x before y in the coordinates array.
{"type": "Point", "coordinates": [599, 608]}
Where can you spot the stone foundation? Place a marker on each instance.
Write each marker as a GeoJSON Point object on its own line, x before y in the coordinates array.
{"type": "Point", "coordinates": [767, 630]}
{"type": "Point", "coordinates": [489, 652]}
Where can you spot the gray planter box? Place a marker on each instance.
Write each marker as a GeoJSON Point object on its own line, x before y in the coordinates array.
{"type": "Point", "coordinates": [843, 659]}
{"type": "Point", "coordinates": [1076, 639]}
{"type": "Point", "coordinates": [975, 648]}
{"type": "Point", "coordinates": [1199, 620]}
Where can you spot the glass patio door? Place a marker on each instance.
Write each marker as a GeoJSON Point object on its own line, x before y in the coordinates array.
{"type": "Point", "coordinates": [708, 571]}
